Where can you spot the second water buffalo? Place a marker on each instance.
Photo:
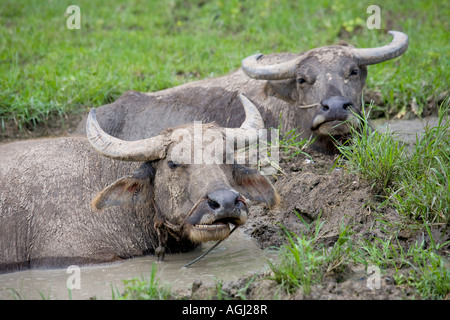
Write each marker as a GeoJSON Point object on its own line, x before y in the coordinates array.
{"type": "Point", "coordinates": [317, 92]}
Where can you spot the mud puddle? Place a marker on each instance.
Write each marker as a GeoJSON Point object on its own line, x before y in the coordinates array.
{"type": "Point", "coordinates": [233, 258]}
{"type": "Point", "coordinates": [405, 130]}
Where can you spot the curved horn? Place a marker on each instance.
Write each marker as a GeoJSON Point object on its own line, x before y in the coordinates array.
{"type": "Point", "coordinates": [111, 147]}
{"type": "Point", "coordinates": [253, 119]}
{"type": "Point", "coordinates": [249, 130]}
{"type": "Point", "coordinates": [279, 71]}
{"type": "Point", "coordinates": [392, 50]}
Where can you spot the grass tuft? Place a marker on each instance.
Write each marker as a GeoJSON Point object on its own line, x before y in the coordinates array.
{"type": "Point", "coordinates": [375, 157]}
{"type": "Point", "coordinates": [423, 189]}
{"type": "Point", "coordinates": [415, 182]}
{"type": "Point", "coordinates": [427, 272]}
{"type": "Point", "coordinates": [304, 261]}
{"type": "Point", "coordinates": [142, 289]}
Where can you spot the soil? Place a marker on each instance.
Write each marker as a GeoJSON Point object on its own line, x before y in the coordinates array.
{"type": "Point", "coordinates": [52, 126]}
{"type": "Point", "coordinates": [310, 190]}
{"type": "Point", "coordinates": [262, 288]}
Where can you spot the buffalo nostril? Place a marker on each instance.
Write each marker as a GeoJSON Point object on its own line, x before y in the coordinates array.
{"type": "Point", "coordinates": [225, 200]}
{"type": "Point", "coordinates": [336, 104]}
{"type": "Point", "coordinates": [347, 106]}
{"type": "Point", "coordinates": [239, 203]}
{"type": "Point", "coordinates": [213, 204]}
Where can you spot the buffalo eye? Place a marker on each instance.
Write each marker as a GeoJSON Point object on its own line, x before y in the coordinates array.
{"type": "Point", "coordinates": [172, 165]}
{"type": "Point", "coordinates": [301, 81]}
{"type": "Point", "coordinates": [354, 72]}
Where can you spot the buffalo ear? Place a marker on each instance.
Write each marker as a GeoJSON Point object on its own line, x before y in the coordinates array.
{"type": "Point", "coordinates": [129, 190]}
{"type": "Point", "coordinates": [282, 89]}
{"type": "Point", "coordinates": [254, 185]}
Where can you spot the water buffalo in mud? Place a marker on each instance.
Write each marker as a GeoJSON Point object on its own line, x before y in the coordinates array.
{"type": "Point", "coordinates": [317, 91]}
{"type": "Point", "coordinates": [166, 203]}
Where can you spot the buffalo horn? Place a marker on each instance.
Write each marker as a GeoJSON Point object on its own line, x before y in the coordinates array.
{"type": "Point", "coordinates": [253, 119]}
{"type": "Point", "coordinates": [364, 56]}
{"type": "Point", "coordinates": [249, 129]}
{"type": "Point", "coordinates": [155, 147]}
{"type": "Point", "coordinates": [111, 147]}
{"type": "Point", "coordinates": [279, 71]}
{"type": "Point", "coordinates": [397, 47]}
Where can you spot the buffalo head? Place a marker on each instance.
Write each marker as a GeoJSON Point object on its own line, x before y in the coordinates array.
{"type": "Point", "coordinates": [326, 83]}
{"type": "Point", "coordinates": [193, 201]}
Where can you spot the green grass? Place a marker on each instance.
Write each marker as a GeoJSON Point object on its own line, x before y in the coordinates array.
{"type": "Point", "coordinates": [291, 144]}
{"type": "Point", "coordinates": [428, 273]}
{"type": "Point", "coordinates": [304, 261]}
{"type": "Point", "coordinates": [423, 190]}
{"type": "Point", "coordinates": [47, 69]}
{"type": "Point", "coordinates": [377, 158]}
{"type": "Point", "coordinates": [415, 182]}
{"type": "Point", "coordinates": [143, 289]}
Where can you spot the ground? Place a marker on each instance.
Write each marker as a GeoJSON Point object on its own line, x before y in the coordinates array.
{"type": "Point", "coordinates": [54, 126]}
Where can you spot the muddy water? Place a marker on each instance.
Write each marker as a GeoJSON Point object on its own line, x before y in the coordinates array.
{"type": "Point", "coordinates": [405, 130]}
{"type": "Point", "coordinates": [237, 256]}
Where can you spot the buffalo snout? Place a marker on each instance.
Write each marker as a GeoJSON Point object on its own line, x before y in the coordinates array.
{"type": "Point", "coordinates": [210, 219]}
{"type": "Point", "coordinates": [227, 204]}
{"type": "Point", "coordinates": [334, 116]}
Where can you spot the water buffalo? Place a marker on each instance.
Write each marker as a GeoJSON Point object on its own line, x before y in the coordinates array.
{"type": "Point", "coordinates": [47, 218]}
{"type": "Point", "coordinates": [314, 91]}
